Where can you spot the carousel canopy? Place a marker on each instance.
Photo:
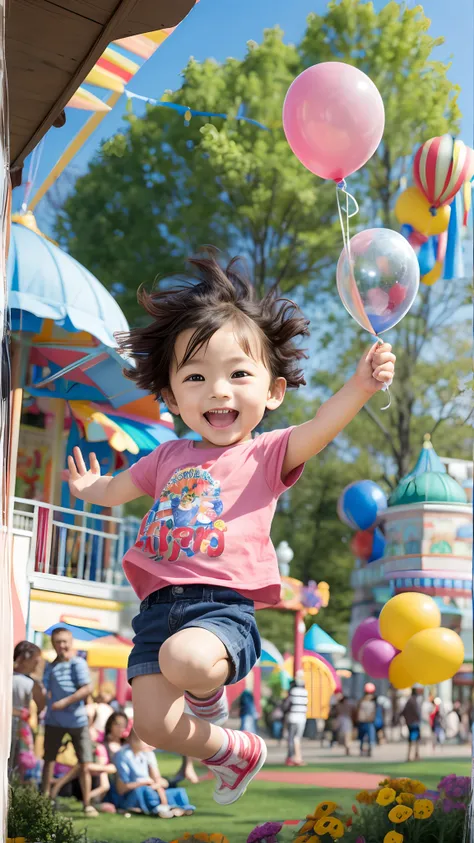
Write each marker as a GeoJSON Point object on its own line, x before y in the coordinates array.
{"type": "Point", "coordinates": [46, 283]}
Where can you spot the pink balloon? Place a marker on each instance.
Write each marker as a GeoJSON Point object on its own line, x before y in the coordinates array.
{"type": "Point", "coordinates": [366, 630]}
{"type": "Point", "coordinates": [375, 657]}
{"type": "Point", "coordinates": [333, 117]}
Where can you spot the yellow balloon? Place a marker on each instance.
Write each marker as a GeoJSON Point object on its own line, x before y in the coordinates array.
{"type": "Point", "coordinates": [433, 275]}
{"type": "Point", "coordinates": [412, 208]}
{"type": "Point", "coordinates": [398, 673]}
{"type": "Point", "coordinates": [405, 615]}
{"type": "Point", "coordinates": [434, 655]}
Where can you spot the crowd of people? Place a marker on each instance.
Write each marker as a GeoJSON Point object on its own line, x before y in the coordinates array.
{"type": "Point", "coordinates": [373, 720]}
{"type": "Point", "coordinates": [90, 749]}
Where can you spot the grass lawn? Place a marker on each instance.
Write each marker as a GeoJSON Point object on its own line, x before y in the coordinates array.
{"type": "Point", "coordinates": [263, 801]}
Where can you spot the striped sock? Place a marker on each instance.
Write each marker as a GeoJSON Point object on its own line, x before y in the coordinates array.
{"type": "Point", "coordinates": [215, 709]}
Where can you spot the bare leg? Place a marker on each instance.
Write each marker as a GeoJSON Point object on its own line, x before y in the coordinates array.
{"type": "Point", "coordinates": [47, 777]}
{"type": "Point", "coordinates": [86, 784]}
{"type": "Point", "coordinates": [68, 777]}
{"type": "Point", "coordinates": [104, 787]}
{"type": "Point", "coordinates": [194, 660]}
{"type": "Point", "coordinates": [298, 758]}
{"type": "Point", "coordinates": [189, 772]}
{"type": "Point", "coordinates": [164, 725]}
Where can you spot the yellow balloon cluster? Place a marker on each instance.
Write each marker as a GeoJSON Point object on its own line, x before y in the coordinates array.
{"type": "Point", "coordinates": [411, 622]}
{"type": "Point", "coordinates": [412, 208]}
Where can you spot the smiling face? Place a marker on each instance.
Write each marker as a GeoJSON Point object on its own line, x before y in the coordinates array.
{"type": "Point", "coordinates": [222, 392]}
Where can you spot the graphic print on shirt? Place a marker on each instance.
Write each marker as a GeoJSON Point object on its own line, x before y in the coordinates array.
{"type": "Point", "coordinates": [186, 519]}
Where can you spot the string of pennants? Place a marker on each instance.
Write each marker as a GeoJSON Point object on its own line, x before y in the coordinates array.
{"type": "Point", "coordinates": [113, 71]}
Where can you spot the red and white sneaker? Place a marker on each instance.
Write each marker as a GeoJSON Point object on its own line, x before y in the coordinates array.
{"type": "Point", "coordinates": [235, 765]}
{"type": "Point", "coordinates": [214, 710]}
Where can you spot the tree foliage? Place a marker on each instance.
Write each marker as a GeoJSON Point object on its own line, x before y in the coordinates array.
{"type": "Point", "coordinates": [159, 189]}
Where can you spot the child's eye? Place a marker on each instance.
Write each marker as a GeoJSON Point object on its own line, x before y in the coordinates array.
{"type": "Point", "coordinates": [194, 378]}
{"type": "Point", "coordinates": [240, 374]}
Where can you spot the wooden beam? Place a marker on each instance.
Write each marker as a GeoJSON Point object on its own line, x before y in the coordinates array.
{"type": "Point", "coordinates": [158, 14]}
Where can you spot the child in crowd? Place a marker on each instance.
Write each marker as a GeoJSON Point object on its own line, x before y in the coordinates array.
{"type": "Point", "coordinates": [221, 360]}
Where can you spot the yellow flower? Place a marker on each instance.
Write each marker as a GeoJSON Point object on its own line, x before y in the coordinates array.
{"type": "Point", "coordinates": [423, 808]}
{"type": "Point", "coordinates": [393, 837]}
{"type": "Point", "coordinates": [363, 797]}
{"type": "Point", "coordinates": [418, 787]}
{"type": "Point", "coordinates": [414, 786]}
{"type": "Point", "coordinates": [400, 813]}
{"type": "Point", "coordinates": [386, 796]}
{"type": "Point", "coordinates": [331, 826]}
{"type": "Point", "coordinates": [324, 809]}
{"type": "Point", "coordinates": [406, 799]}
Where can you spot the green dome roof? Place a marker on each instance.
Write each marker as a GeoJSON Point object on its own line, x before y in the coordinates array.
{"type": "Point", "coordinates": [428, 482]}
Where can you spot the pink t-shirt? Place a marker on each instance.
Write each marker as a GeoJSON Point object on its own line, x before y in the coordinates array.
{"type": "Point", "coordinates": [210, 523]}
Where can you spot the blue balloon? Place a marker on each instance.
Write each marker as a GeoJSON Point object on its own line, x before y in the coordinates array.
{"type": "Point", "coordinates": [427, 256]}
{"type": "Point", "coordinates": [360, 504]}
{"type": "Point", "coordinates": [378, 546]}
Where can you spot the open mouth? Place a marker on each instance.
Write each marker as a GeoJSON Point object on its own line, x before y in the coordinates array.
{"type": "Point", "coordinates": [221, 418]}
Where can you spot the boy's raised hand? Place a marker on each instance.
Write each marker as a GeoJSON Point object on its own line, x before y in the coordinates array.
{"type": "Point", "coordinates": [376, 368]}
{"type": "Point", "coordinates": [80, 477]}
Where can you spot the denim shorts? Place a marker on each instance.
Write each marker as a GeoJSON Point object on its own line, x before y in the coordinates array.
{"type": "Point", "coordinates": [222, 611]}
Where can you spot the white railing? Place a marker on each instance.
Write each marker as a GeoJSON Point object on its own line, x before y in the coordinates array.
{"type": "Point", "coordinates": [68, 543]}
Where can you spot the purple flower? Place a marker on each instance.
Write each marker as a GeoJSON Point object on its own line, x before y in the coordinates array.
{"type": "Point", "coordinates": [265, 833]}
{"type": "Point", "coordinates": [449, 805]}
{"type": "Point", "coordinates": [360, 840]}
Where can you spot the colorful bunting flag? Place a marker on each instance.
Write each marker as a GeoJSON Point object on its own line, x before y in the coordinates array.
{"type": "Point", "coordinates": [104, 79]}
{"type": "Point", "coordinates": [87, 102]}
{"type": "Point", "coordinates": [117, 64]}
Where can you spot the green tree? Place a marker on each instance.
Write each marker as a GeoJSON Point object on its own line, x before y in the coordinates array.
{"type": "Point", "coordinates": [159, 189]}
{"type": "Point", "coordinates": [394, 48]}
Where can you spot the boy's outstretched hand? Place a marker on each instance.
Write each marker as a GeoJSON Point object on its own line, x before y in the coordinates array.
{"type": "Point", "coordinates": [80, 477]}
{"type": "Point", "coordinates": [376, 368]}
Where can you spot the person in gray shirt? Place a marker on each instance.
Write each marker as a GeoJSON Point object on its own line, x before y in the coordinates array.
{"type": "Point", "coordinates": [68, 684]}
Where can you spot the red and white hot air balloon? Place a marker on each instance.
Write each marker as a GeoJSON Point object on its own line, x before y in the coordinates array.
{"type": "Point", "coordinates": [440, 168]}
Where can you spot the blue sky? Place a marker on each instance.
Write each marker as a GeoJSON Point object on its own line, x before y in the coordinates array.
{"type": "Point", "coordinates": [221, 28]}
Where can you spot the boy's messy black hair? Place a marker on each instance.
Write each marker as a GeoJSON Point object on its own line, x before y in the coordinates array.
{"type": "Point", "coordinates": [205, 303]}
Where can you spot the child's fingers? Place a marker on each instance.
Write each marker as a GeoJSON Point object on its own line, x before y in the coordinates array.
{"type": "Point", "coordinates": [73, 472]}
{"type": "Point", "coordinates": [94, 464]}
{"type": "Point", "coordinates": [370, 353]}
{"type": "Point", "coordinates": [382, 357]}
{"type": "Point", "coordinates": [384, 373]}
{"type": "Point", "coordinates": [80, 464]}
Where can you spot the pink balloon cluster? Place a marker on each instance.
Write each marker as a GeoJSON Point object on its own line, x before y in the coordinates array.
{"type": "Point", "coordinates": [371, 650]}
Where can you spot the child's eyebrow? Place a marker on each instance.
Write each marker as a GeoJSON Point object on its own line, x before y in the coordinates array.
{"type": "Point", "coordinates": [199, 361]}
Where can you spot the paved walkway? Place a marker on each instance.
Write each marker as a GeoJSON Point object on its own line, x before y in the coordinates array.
{"type": "Point", "coordinates": [392, 753]}
{"type": "Point", "coordinates": [342, 780]}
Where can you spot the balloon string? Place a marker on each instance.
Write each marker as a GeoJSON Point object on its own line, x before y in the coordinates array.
{"type": "Point", "coordinates": [345, 228]}
{"type": "Point", "coordinates": [386, 386]}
